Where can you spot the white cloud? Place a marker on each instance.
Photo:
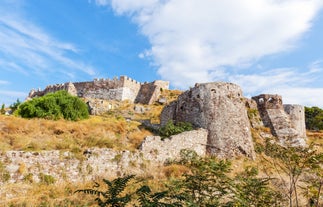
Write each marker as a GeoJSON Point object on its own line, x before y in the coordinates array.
{"type": "Point", "coordinates": [102, 2]}
{"type": "Point", "coordinates": [194, 41]}
{"type": "Point", "coordinates": [28, 49]}
{"type": "Point", "coordinates": [288, 82]}
{"type": "Point", "coordinates": [304, 96]}
{"type": "Point", "coordinates": [3, 82]}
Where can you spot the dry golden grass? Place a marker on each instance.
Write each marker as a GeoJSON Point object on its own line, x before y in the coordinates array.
{"type": "Point", "coordinates": [39, 134]}
{"type": "Point", "coordinates": [31, 195]}
{"type": "Point", "coordinates": [174, 170]}
{"type": "Point", "coordinates": [316, 137]}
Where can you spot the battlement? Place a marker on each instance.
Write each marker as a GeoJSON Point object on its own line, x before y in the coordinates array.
{"type": "Point", "coordinates": [122, 88]}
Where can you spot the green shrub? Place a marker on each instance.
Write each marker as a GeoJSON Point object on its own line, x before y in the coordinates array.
{"type": "Point", "coordinates": [171, 129]}
{"type": "Point", "coordinates": [2, 110]}
{"type": "Point", "coordinates": [55, 106]}
{"type": "Point", "coordinates": [314, 118]}
{"type": "Point", "coordinates": [13, 107]}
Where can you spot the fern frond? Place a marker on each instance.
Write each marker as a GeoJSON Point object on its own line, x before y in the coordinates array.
{"type": "Point", "coordinates": [90, 191]}
{"type": "Point", "coordinates": [118, 185]}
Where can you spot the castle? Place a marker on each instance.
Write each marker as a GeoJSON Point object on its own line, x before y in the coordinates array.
{"type": "Point", "coordinates": [218, 107]}
{"type": "Point", "coordinates": [224, 117]}
{"type": "Point", "coordinates": [119, 89]}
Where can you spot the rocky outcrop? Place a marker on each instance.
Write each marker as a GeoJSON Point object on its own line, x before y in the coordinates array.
{"type": "Point", "coordinates": [287, 123]}
{"type": "Point", "coordinates": [219, 108]}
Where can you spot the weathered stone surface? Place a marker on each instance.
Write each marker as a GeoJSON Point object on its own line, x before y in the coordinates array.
{"type": "Point", "coordinates": [97, 162]}
{"type": "Point", "coordinates": [297, 116]}
{"type": "Point", "coordinates": [253, 113]}
{"type": "Point", "coordinates": [120, 89]}
{"type": "Point", "coordinates": [100, 106]}
{"type": "Point", "coordinates": [288, 127]}
{"type": "Point", "coordinates": [219, 108]}
{"type": "Point", "coordinates": [154, 148]}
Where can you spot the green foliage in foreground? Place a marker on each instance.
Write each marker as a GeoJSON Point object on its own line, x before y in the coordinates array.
{"type": "Point", "coordinates": [171, 129]}
{"type": "Point", "coordinates": [210, 182]}
{"type": "Point", "coordinates": [142, 196]}
{"type": "Point", "coordinates": [207, 184]}
{"type": "Point", "coordinates": [54, 106]}
{"type": "Point", "coordinates": [297, 166]}
{"type": "Point", "coordinates": [314, 118]}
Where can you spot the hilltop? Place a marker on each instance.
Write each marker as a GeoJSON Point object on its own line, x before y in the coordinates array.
{"type": "Point", "coordinates": [122, 139]}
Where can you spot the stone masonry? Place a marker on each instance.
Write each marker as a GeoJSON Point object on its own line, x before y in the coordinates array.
{"type": "Point", "coordinates": [219, 108]}
{"type": "Point", "coordinates": [286, 122]}
{"type": "Point", "coordinates": [97, 162]}
{"type": "Point", "coordinates": [120, 89]}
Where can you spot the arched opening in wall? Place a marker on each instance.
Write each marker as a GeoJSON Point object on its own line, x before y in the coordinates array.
{"type": "Point", "coordinates": [182, 107]}
{"type": "Point", "coordinates": [261, 100]}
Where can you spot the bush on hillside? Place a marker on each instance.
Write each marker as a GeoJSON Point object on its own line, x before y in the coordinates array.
{"type": "Point", "coordinates": [171, 129]}
{"type": "Point", "coordinates": [14, 106]}
{"type": "Point", "coordinates": [314, 118]}
{"type": "Point", "coordinates": [55, 106]}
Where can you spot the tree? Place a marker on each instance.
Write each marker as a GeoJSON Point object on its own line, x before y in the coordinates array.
{"type": "Point", "coordinates": [2, 111]}
{"type": "Point", "coordinates": [14, 106]}
{"type": "Point", "coordinates": [293, 163]}
{"type": "Point", "coordinates": [207, 183]}
{"type": "Point", "coordinates": [251, 190]}
{"type": "Point", "coordinates": [314, 118]}
{"type": "Point", "coordinates": [55, 106]}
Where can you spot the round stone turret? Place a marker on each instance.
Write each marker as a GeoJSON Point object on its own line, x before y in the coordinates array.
{"type": "Point", "coordinates": [219, 108]}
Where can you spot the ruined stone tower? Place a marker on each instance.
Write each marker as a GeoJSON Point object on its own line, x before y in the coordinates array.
{"type": "Point", "coordinates": [219, 108]}
{"type": "Point", "coordinates": [286, 122]}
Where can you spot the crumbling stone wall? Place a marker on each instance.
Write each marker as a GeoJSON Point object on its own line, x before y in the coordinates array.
{"type": "Point", "coordinates": [154, 148]}
{"type": "Point", "coordinates": [69, 87]}
{"type": "Point", "coordinates": [219, 108]}
{"type": "Point", "coordinates": [101, 162]}
{"type": "Point", "coordinates": [287, 123]}
{"type": "Point", "coordinates": [297, 117]}
{"type": "Point", "coordinates": [120, 89]}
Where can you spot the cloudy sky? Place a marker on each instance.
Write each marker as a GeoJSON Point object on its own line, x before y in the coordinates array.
{"type": "Point", "coordinates": [265, 46]}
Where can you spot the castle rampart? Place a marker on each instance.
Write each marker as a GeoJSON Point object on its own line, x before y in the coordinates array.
{"type": "Point", "coordinates": [120, 89]}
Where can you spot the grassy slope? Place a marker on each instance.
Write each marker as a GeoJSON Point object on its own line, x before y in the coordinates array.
{"type": "Point", "coordinates": [110, 130]}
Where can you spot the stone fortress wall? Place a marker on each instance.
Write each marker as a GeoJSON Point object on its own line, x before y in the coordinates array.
{"type": "Point", "coordinates": [101, 162]}
{"type": "Point", "coordinates": [222, 110]}
{"type": "Point", "coordinates": [286, 121]}
{"type": "Point", "coordinates": [119, 89]}
{"type": "Point", "coordinates": [218, 109]}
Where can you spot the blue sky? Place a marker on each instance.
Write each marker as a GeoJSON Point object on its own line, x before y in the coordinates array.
{"type": "Point", "coordinates": [265, 46]}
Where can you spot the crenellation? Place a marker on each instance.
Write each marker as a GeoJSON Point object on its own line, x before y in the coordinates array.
{"type": "Point", "coordinates": [120, 89]}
